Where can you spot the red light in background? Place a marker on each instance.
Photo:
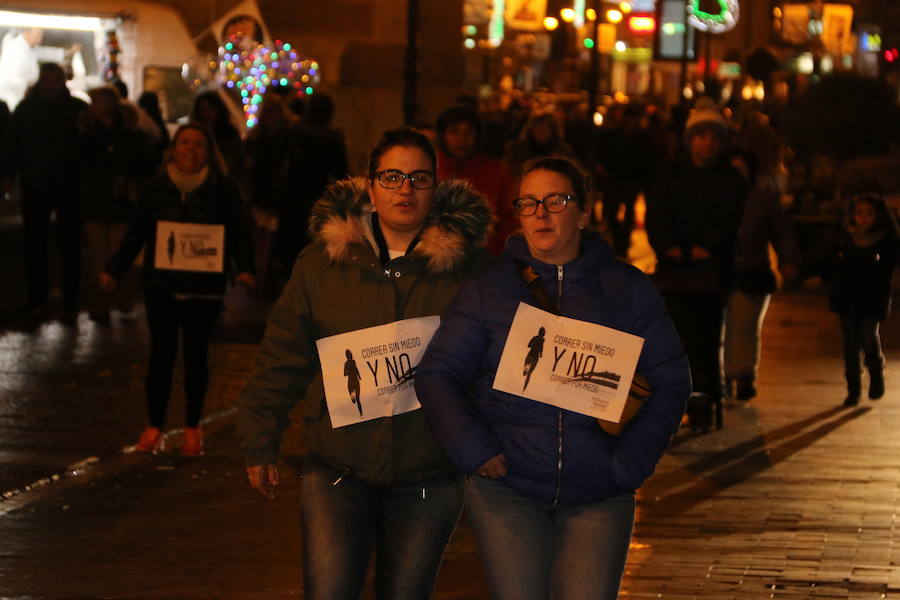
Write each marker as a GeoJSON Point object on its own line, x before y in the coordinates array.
{"type": "Point", "coordinates": [642, 24]}
{"type": "Point", "coordinates": [891, 55]}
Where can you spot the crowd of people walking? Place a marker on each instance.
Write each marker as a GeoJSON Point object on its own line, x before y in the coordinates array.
{"type": "Point", "coordinates": [427, 258]}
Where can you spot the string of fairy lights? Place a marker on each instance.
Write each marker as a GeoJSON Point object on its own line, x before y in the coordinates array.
{"type": "Point", "coordinates": [251, 71]}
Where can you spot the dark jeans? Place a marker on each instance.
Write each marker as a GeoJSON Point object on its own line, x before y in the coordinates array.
{"type": "Point", "coordinates": [535, 551]}
{"type": "Point", "coordinates": [38, 204]}
{"type": "Point", "coordinates": [166, 316]}
{"type": "Point", "coordinates": [860, 336]}
{"type": "Point", "coordinates": [698, 319]}
{"type": "Point", "coordinates": [408, 524]}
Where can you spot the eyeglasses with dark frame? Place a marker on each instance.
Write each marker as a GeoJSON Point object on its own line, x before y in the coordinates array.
{"type": "Point", "coordinates": [391, 179]}
{"type": "Point", "coordinates": [553, 203]}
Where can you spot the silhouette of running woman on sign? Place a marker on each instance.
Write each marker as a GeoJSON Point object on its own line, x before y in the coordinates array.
{"type": "Point", "coordinates": [170, 248]}
{"type": "Point", "coordinates": [536, 345]}
{"type": "Point", "coordinates": [353, 379]}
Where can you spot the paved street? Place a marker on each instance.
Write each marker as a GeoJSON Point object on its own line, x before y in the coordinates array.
{"type": "Point", "coordinates": [795, 498]}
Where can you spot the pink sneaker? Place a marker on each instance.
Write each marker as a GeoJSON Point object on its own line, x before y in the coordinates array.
{"type": "Point", "coordinates": [193, 442]}
{"type": "Point", "coordinates": [151, 440]}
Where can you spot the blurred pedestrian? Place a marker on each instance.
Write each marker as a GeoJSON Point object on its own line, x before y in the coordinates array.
{"type": "Point", "coordinates": [195, 234]}
{"type": "Point", "coordinates": [149, 102]}
{"type": "Point", "coordinates": [693, 213]}
{"type": "Point", "coordinates": [764, 222]}
{"type": "Point", "coordinates": [115, 163]}
{"type": "Point", "coordinates": [270, 154]}
{"type": "Point", "coordinates": [42, 149]}
{"type": "Point", "coordinates": [211, 111]}
{"type": "Point", "coordinates": [629, 165]}
{"type": "Point", "coordinates": [540, 137]}
{"type": "Point", "coordinates": [391, 248]}
{"type": "Point", "coordinates": [459, 157]}
{"type": "Point", "coordinates": [861, 283]}
{"type": "Point", "coordinates": [551, 494]}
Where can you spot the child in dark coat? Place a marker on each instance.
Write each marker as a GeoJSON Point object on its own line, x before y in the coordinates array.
{"type": "Point", "coordinates": [862, 278]}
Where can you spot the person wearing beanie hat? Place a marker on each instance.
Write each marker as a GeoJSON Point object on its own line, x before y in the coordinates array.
{"type": "Point", "coordinates": [693, 213]}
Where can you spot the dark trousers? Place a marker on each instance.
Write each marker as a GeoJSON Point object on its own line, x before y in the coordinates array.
{"type": "Point", "coordinates": [618, 194]}
{"type": "Point", "coordinates": [860, 336]}
{"type": "Point", "coordinates": [698, 319]}
{"type": "Point", "coordinates": [38, 204]}
{"type": "Point", "coordinates": [194, 318]}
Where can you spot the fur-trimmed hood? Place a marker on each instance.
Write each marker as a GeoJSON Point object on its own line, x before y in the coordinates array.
{"type": "Point", "coordinates": [456, 226]}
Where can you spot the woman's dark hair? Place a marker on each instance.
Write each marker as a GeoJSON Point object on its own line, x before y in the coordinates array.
{"type": "Point", "coordinates": [213, 158]}
{"type": "Point", "coordinates": [406, 138]}
{"type": "Point", "coordinates": [884, 218]}
{"type": "Point", "coordinates": [223, 127]}
{"type": "Point", "coordinates": [578, 178]}
{"type": "Point", "coordinates": [458, 113]}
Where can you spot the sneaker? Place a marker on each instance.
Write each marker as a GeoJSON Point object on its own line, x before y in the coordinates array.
{"type": "Point", "coordinates": [151, 441]}
{"type": "Point", "coordinates": [193, 442]}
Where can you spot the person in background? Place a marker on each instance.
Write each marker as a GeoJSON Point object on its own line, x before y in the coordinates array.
{"type": "Point", "coordinates": [628, 163]}
{"type": "Point", "coordinates": [42, 149]}
{"type": "Point", "coordinates": [861, 286]}
{"type": "Point", "coordinates": [149, 102]}
{"type": "Point", "coordinates": [18, 64]}
{"type": "Point", "coordinates": [183, 288]}
{"type": "Point", "coordinates": [318, 157]}
{"type": "Point", "coordinates": [540, 137]}
{"type": "Point", "coordinates": [458, 133]}
{"type": "Point", "coordinates": [270, 157]}
{"type": "Point", "coordinates": [764, 222]}
{"type": "Point", "coordinates": [210, 111]}
{"type": "Point", "coordinates": [393, 246]}
{"type": "Point", "coordinates": [115, 163]}
{"type": "Point", "coordinates": [551, 494]}
{"type": "Point", "coordinates": [694, 210]}
{"type": "Point", "coordinates": [140, 118]}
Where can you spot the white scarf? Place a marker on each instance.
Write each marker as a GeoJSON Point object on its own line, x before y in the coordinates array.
{"type": "Point", "coordinates": [186, 182]}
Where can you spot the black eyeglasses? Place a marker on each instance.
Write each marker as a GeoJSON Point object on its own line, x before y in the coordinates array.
{"type": "Point", "coordinates": [391, 179]}
{"type": "Point", "coordinates": [554, 203]}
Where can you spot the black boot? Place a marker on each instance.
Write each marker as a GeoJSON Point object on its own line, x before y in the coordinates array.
{"type": "Point", "coordinates": [746, 390]}
{"type": "Point", "coordinates": [854, 385]}
{"type": "Point", "coordinates": [876, 382]}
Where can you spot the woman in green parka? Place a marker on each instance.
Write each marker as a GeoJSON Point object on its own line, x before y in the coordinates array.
{"type": "Point", "coordinates": [394, 247]}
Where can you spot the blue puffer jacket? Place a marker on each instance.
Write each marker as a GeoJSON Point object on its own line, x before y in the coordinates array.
{"type": "Point", "coordinates": [553, 455]}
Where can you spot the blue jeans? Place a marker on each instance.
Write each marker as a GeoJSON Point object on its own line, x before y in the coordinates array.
{"type": "Point", "coordinates": [536, 551]}
{"type": "Point", "coordinates": [408, 524]}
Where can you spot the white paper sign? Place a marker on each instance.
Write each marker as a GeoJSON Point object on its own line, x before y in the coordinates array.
{"type": "Point", "coordinates": [368, 373]}
{"type": "Point", "coordinates": [190, 247]}
{"type": "Point", "coordinates": [576, 365]}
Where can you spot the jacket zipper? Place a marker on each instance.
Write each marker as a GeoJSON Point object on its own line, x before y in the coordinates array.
{"type": "Point", "coordinates": [559, 414]}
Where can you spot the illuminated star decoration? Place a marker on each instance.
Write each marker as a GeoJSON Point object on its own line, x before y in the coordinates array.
{"type": "Point", "coordinates": [725, 19]}
{"type": "Point", "coordinates": [252, 71]}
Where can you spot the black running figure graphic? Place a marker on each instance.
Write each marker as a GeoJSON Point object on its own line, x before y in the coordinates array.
{"type": "Point", "coordinates": [353, 378]}
{"type": "Point", "coordinates": [170, 247]}
{"type": "Point", "coordinates": [535, 352]}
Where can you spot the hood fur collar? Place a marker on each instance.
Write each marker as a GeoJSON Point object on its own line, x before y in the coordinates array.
{"type": "Point", "coordinates": [457, 224]}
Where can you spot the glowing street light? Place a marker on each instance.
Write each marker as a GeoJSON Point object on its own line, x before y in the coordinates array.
{"type": "Point", "coordinates": [567, 14]}
{"type": "Point", "coordinates": [551, 23]}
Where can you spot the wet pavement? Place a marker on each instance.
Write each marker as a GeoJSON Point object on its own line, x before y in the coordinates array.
{"type": "Point", "coordinates": [795, 498]}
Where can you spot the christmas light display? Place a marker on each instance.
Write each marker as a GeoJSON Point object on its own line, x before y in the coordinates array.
{"type": "Point", "coordinates": [714, 22]}
{"type": "Point", "coordinates": [252, 70]}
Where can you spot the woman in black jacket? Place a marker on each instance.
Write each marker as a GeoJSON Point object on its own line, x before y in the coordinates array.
{"type": "Point", "coordinates": [861, 284]}
{"type": "Point", "coordinates": [192, 227]}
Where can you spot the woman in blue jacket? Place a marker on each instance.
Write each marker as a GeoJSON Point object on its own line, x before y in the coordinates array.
{"type": "Point", "coordinates": [552, 495]}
